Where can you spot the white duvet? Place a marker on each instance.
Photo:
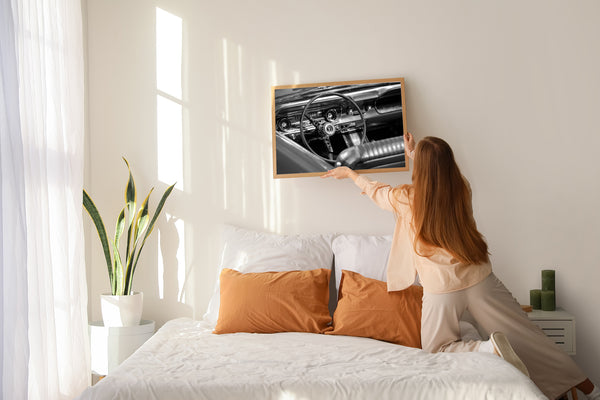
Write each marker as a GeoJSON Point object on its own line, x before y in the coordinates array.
{"type": "Point", "coordinates": [184, 360]}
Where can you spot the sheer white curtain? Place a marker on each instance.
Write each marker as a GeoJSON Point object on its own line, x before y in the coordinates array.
{"type": "Point", "coordinates": [14, 351]}
{"type": "Point", "coordinates": [47, 37]}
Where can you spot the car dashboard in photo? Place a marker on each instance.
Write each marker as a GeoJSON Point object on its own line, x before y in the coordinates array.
{"type": "Point", "coordinates": [356, 125]}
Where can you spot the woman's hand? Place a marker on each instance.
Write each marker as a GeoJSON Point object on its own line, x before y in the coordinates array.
{"type": "Point", "coordinates": [409, 145]}
{"type": "Point", "coordinates": [340, 173]}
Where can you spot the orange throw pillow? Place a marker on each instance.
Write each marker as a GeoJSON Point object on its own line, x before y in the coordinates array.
{"type": "Point", "coordinates": [270, 302]}
{"type": "Point", "coordinates": [366, 309]}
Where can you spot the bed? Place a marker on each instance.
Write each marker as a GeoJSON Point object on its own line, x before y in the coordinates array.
{"type": "Point", "coordinates": [275, 339]}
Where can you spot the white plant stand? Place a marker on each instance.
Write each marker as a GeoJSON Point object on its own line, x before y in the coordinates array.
{"type": "Point", "coordinates": [110, 346]}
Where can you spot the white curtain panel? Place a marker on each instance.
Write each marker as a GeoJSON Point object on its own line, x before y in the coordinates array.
{"type": "Point", "coordinates": [48, 36]}
{"type": "Point", "coordinates": [14, 351]}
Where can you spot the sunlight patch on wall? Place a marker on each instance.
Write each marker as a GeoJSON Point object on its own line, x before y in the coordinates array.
{"type": "Point", "coordinates": [240, 69]}
{"type": "Point", "coordinates": [225, 130]}
{"type": "Point", "coordinates": [169, 141]}
{"type": "Point", "coordinates": [169, 106]}
{"type": "Point", "coordinates": [244, 184]}
{"type": "Point", "coordinates": [272, 219]}
{"type": "Point", "coordinates": [224, 141]}
{"type": "Point", "coordinates": [225, 81]}
{"type": "Point", "coordinates": [273, 72]}
{"type": "Point", "coordinates": [169, 149]}
{"type": "Point", "coordinates": [169, 40]}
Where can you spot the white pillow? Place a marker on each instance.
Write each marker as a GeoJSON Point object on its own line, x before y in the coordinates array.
{"type": "Point", "coordinates": [252, 251]}
{"type": "Point", "coordinates": [364, 254]}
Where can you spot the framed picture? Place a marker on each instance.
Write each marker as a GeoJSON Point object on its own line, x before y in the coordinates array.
{"type": "Point", "coordinates": [359, 124]}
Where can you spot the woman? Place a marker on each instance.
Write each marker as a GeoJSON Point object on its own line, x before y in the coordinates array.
{"type": "Point", "coordinates": [436, 237]}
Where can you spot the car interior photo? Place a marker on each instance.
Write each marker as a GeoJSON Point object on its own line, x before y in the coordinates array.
{"type": "Point", "coordinates": [356, 125]}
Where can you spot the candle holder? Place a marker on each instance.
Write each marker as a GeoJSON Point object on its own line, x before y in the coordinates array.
{"type": "Point", "coordinates": [545, 298]}
{"type": "Point", "coordinates": [548, 300]}
{"type": "Point", "coordinates": [535, 299]}
{"type": "Point", "coordinates": [548, 294]}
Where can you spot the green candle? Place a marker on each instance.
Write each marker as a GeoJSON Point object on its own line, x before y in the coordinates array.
{"type": "Point", "coordinates": [548, 279]}
{"type": "Point", "coordinates": [548, 300]}
{"type": "Point", "coordinates": [535, 299]}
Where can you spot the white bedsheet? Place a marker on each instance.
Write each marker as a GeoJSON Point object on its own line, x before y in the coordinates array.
{"type": "Point", "coordinates": [184, 360]}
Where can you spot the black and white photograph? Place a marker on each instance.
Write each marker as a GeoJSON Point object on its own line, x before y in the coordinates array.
{"type": "Point", "coordinates": [358, 124]}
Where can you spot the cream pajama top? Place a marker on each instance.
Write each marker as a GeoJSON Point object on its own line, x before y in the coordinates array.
{"type": "Point", "coordinates": [440, 272]}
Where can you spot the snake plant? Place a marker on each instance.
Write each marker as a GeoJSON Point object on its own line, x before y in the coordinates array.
{"type": "Point", "coordinates": [138, 225]}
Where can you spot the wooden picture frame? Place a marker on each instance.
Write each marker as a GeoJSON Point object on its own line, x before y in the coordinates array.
{"type": "Point", "coordinates": [318, 126]}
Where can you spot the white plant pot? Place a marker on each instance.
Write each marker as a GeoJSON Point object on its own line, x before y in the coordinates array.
{"type": "Point", "coordinates": [122, 310]}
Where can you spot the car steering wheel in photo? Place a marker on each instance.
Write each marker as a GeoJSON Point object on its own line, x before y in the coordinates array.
{"type": "Point", "coordinates": [359, 124]}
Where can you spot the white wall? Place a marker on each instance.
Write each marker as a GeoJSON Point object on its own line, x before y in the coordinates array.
{"type": "Point", "coordinates": [513, 86]}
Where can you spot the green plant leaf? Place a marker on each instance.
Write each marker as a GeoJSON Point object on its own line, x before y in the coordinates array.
{"type": "Point", "coordinates": [141, 220]}
{"type": "Point", "coordinates": [118, 288]}
{"type": "Point", "coordinates": [159, 208]}
{"type": "Point", "coordinates": [90, 207]}
{"type": "Point", "coordinates": [131, 203]}
{"type": "Point", "coordinates": [120, 226]}
{"type": "Point", "coordinates": [119, 229]}
{"type": "Point", "coordinates": [140, 223]}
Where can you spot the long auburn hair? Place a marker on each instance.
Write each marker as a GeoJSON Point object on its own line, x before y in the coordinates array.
{"type": "Point", "coordinates": [442, 208]}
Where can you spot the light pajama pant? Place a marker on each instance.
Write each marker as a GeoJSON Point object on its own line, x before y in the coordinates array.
{"type": "Point", "coordinates": [495, 309]}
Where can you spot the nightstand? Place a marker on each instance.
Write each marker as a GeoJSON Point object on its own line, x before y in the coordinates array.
{"type": "Point", "coordinates": [558, 325]}
{"type": "Point", "coordinates": [110, 346]}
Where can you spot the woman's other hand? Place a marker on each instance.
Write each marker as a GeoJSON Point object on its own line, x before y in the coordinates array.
{"type": "Point", "coordinates": [409, 145]}
{"type": "Point", "coordinates": [340, 173]}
